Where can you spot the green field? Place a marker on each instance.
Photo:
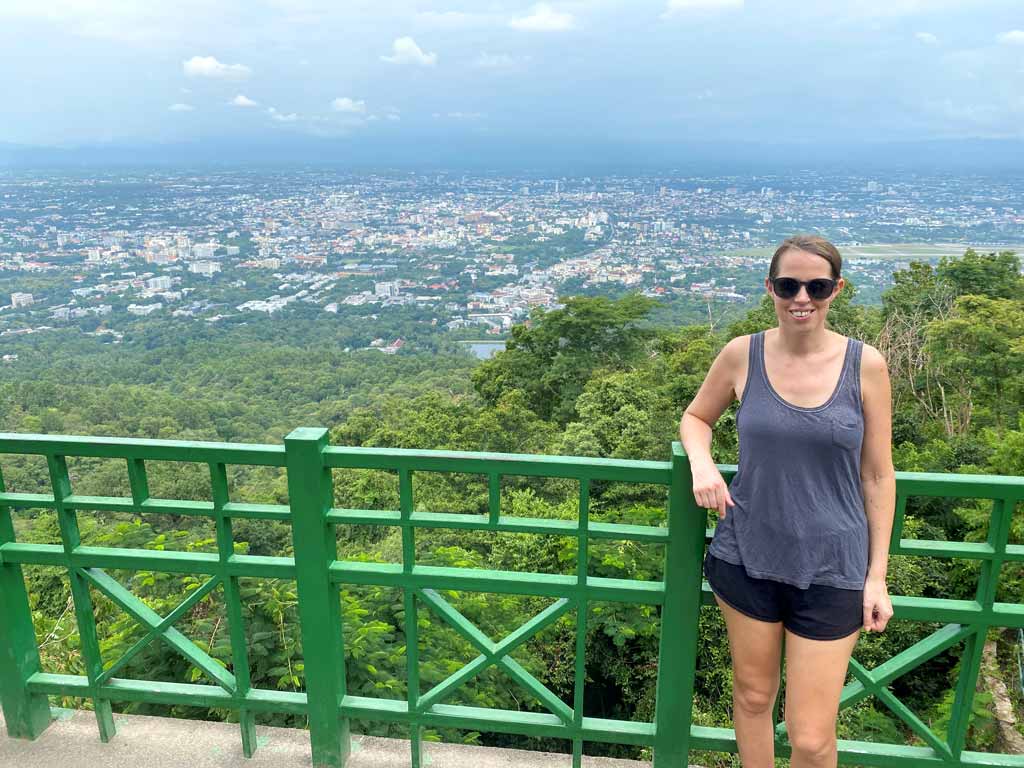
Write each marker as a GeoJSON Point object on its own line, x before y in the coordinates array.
{"type": "Point", "coordinates": [895, 251]}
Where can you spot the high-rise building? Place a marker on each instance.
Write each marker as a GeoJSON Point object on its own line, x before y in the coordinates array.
{"type": "Point", "coordinates": [21, 300]}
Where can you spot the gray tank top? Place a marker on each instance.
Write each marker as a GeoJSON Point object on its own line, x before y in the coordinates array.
{"type": "Point", "coordinates": [799, 516]}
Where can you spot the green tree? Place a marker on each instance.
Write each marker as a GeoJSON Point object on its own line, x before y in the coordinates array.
{"type": "Point", "coordinates": [552, 358]}
{"type": "Point", "coordinates": [996, 275]}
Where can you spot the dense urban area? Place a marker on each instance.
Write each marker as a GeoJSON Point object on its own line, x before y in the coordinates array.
{"type": "Point", "coordinates": [470, 254]}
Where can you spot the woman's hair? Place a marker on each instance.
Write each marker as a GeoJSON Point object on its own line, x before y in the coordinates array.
{"type": "Point", "coordinates": [811, 244]}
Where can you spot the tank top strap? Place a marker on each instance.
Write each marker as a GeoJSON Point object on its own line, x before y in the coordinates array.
{"type": "Point", "coordinates": [755, 368]}
{"type": "Point", "coordinates": [851, 369]}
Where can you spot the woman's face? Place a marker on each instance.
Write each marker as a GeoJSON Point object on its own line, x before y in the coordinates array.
{"type": "Point", "coordinates": [802, 313]}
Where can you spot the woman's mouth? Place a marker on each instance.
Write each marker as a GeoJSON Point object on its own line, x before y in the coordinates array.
{"type": "Point", "coordinates": [801, 314]}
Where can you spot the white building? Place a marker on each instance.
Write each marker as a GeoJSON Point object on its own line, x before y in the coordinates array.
{"type": "Point", "coordinates": [204, 250]}
{"type": "Point", "coordinates": [144, 309]}
{"type": "Point", "coordinates": [161, 283]}
{"type": "Point", "coordinates": [389, 288]}
{"type": "Point", "coordinates": [206, 268]}
{"type": "Point", "coordinates": [21, 300]}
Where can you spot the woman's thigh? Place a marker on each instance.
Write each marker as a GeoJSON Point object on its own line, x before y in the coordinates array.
{"type": "Point", "coordinates": [753, 612]}
{"type": "Point", "coordinates": [756, 648]}
{"type": "Point", "coordinates": [815, 675]}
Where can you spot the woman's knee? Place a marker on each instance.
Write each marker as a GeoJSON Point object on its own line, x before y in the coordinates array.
{"type": "Point", "coordinates": [811, 742]}
{"type": "Point", "coordinates": [754, 698]}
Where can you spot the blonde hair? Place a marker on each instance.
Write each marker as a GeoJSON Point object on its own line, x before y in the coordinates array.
{"type": "Point", "coordinates": [819, 246]}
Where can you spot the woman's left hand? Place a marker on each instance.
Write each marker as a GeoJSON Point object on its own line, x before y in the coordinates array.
{"type": "Point", "coordinates": [877, 606]}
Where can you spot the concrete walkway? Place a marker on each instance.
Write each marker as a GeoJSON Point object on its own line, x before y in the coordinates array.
{"type": "Point", "coordinates": [72, 741]}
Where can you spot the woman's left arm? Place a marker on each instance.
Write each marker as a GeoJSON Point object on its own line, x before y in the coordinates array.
{"type": "Point", "coordinates": [878, 484]}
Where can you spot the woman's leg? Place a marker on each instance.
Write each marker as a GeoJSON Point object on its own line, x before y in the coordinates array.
{"type": "Point", "coordinates": [815, 673]}
{"type": "Point", "coordinates": [756, 648]}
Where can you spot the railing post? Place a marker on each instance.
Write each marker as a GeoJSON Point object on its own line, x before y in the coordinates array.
{"type": "Point", "coordinates": [310, 495]}
{"type": "Point", "coordinates": [677, 648]}
{"type": "Point", "coordinates": [27, 714]}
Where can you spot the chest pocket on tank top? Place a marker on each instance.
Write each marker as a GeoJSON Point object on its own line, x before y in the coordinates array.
{"type": "Point", "coordinates": [847, 436]}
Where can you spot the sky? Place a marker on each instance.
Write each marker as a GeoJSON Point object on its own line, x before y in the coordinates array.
{"type": "Point", "coordinates": [104, 72]}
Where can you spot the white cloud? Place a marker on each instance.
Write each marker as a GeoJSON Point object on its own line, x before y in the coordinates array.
{"type": "Point", "coordinates": [241, 100]}
{"type": "Point", "coordinates": [675, 7]}
{"type": "Point", "coordinates": [927, 38]}
{"type": "Point", "coordinates": [208, 66]}
{"type": "Point", "coordinates": [282, 117]}
{"type": "Point", "coordinates": [179, 107]}
{"type": "Point", "coordinates": [405, 51]}
{"type": "Point", "coordinates": [350, 106]}
{"type": "Point", "coordinates": [544, 18]}
{"type": "Point", "coordinates": [1013, 37]}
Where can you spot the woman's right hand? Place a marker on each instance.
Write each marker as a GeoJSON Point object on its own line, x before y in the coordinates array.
{"type": "Point", "coordinates": [709, 488]}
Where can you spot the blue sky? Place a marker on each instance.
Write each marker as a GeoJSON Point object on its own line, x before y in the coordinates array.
{"type": "Point", "coordinates": [108, 71]}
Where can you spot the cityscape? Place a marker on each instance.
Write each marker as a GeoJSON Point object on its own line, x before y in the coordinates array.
{"type": "Point", "coordinates": [473, 253]}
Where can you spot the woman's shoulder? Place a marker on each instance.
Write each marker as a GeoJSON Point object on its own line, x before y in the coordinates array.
{"type": "Point", "coordinates": [870, 356]}
{"type": "Point", "coordinates": [737, 349]}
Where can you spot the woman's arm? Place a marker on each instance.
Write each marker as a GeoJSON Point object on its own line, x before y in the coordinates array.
{"type": "Point", "coordinates": [714, 396]}
{"type": "Point", "coordinates": [878, 484]}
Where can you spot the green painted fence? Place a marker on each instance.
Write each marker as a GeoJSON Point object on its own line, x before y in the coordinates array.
{"type": "Point", "coordinates": [319, 575]}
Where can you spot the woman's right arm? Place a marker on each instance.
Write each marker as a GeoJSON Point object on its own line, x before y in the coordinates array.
{"type": "Point", "coordinates": [714, 396]}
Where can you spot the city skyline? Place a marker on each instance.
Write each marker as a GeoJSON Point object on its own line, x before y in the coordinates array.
{"type": "Point", "coordinates": [387, 76]}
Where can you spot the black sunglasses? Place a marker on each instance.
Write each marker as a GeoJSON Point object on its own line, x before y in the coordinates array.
{"type": "Point", "coordinates": [787, 287]}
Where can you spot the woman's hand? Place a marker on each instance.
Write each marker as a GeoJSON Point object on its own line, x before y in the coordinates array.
{"type": "Point", "coordinates": [877, 606]}
{"type": "Point", "coordinates": [709, 489]}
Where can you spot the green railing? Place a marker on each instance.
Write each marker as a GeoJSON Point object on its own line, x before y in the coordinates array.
{"type": "Point", "coordinates": [308, 461]}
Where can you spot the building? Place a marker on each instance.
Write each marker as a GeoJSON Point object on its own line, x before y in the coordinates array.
{"type": "Point", "coordinates": [161, 283]}
{"type": "Point", "coordinates": [204, 250]}
{"type": "Point", "coordinates": [21, 300]}
{"type": "Point", "coordinates": [206, 268]}
{"type": "Point", "coordinates": [389, 288]}
{"type": "Point", "coordinates": [144, 309]}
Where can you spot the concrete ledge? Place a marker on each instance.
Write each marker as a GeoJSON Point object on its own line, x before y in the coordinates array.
{"type": "Point", "coordinates": [73, 741]}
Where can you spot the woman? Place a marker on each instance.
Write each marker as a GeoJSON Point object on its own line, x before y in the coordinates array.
{"type": "Point", "coordinates": [801, 547]}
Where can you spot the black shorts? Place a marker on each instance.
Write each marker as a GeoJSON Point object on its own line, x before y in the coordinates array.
{"type": "Point", "coordinates": [819, 612]}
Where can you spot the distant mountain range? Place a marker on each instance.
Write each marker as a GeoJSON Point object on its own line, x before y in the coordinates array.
{"type": "Point", "coordinates": [536, 155]}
